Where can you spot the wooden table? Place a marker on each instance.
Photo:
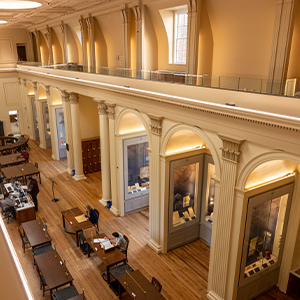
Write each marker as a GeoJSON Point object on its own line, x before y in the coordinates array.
{"type": "Point", "coordinates": [133, 287]}
{"type": "Point", "coordinates": [35, 233]}
{"type": "Point", "coordinates": [12, 159]}
{"type": "Point", "coordinates": [110, 259]}
{"type": "Point", "coordinates": [21, 171]}
{"type": "Point", "coordinates": [29, 170]}
{"type": "Point", "coordinates": [52, 270]}
{"type": "Point", "coordinates": [70, 215]}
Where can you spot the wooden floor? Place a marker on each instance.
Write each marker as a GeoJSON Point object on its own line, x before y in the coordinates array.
{"type": "Point", "coordinates": [183, 272]}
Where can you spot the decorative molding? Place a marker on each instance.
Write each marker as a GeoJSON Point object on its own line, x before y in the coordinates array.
{"type": "Point", "coordinates": [125, 15]}
{"type": "Point", "coordinates": [110, 110]}
{"type": "Point", "coordinates": [24, 82]}
{"type": "Point", "coordinates": [154, 246]}
{"type": "Point", "coordinates": [156, 123]}
{"type": "Point", "coordinates": [65, 96]}
{"type": "Point", "coordinates": [19, 81]}
{"type": "Point", "coordinates": [89, 23]}
{"type": "Point", "coordinates": [81, 23]}
{"type": "Point", "coordinates": [47, 90]}
{"type": "Point", "coordinates": [102, 108]}
{"type": "Point", "coordinates": [34, 85]}
{"type": "Point", "coordinates": [73, 98]}
{"type": "Point", "coordinates": [11, 93]}
{"type": "Point", "coordinates": [231, 148]}
{"type": "Point", "coordinates": [213, 296]}
{"type": "Point", "coordinates": [62, 27]}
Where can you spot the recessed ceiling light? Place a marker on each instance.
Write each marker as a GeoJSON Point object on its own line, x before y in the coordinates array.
{"type": "Point", "coordinates": [3, 22]}
{"type": "Point", "coordinates": [18, 4]}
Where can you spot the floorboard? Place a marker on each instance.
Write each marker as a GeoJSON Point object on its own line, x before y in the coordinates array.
{"type": "Point", "coordinates": [183, 272]}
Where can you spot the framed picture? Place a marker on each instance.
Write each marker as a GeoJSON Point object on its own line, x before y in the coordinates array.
{"type": "Point", "coordinates": [144, 172]}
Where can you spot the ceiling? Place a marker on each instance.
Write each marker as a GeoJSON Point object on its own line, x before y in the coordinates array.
{"type": "Point", "coordinates": [50, 11]}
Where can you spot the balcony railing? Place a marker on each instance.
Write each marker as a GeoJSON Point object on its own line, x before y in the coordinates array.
{"type": "Point", "coordinates": [254, 85]}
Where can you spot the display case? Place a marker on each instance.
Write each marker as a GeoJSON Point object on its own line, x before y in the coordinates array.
{"type": "Point", "coordinates": [266, 222]}
{"type": "Point", "coordinates": [185, 197]}
{"type": "Point", "coordinates": [136, 173]}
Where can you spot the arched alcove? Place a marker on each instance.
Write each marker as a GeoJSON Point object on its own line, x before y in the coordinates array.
{"type": "Point", "coordinates": [56, 98]}
{"type": "Point", "coordinates": [30, 89]}
{"type": "Point", "coordinates": [130, 123]}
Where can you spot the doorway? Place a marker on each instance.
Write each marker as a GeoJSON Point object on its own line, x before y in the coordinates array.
{"type": "Point", "coordinates": [21, 50]}
{"type": "Point", "coordinates": [35, 120]}
{"type": "Point", "coordinates": [14, 121]}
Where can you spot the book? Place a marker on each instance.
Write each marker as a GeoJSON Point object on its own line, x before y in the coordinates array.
{"type": "Point", "coordinates": [106, 244]}
{"type": "Point", "coordinates": [186, 201]}
{"type": "Point", "coordinates": [176, 218]}
{"type": "Point", "coordinates": [80, 218]}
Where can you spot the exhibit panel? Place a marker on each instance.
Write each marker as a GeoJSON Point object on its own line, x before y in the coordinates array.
{"type": "Point", "coordinates": [61, 135]}
{"type": "Point", "coordinates": [35, 120]}
{"type": "Point", "coordinates": [265, 230]}
{"type": "Point", "coordinates": [136, 173]}
{"type": "Point", "coordinates": [45, 110]}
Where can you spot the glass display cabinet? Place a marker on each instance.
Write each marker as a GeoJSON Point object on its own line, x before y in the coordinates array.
{"type": "Point", "coordinates": [61, 135]}
{"type": "Point", "coordinates": [184, 204]}
{"type": "Point", "coordinates": [46, 124]}
{"type": "Point", "coordinates": [136, 173]}
{"type": "Point", "coordinates": [266, 223]}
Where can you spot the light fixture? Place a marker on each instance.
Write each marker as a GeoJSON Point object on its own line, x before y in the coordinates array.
{"type": "Point", "coordinates": [186, 149]}
{"type": "Point", "coordinates": [2, 22]}
{"type": "Point", "coordinates": [19, 4]}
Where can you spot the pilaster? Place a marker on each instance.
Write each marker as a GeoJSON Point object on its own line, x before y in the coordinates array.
{"type": "Point", "coordinates": [83, 42]}
{"type": "Point", "coordinates": [68, 131]}
{"type": "Point", "coordinates": [53, 144]}
{"type": "Point", "coordinates": [223, 212]}
{"type": "Point", "coordinates": [49, 40]}
{"type": "Point", "coordinates": [155, 202]}
{"type": "Point", "coordinates": [105, 152]}
{"type": "Point", "coordinates": [125, 36]}
{"type": "Point", "coordinates": [91, 34]}
{"type": "Point", "coordinates": [76, 137]}
{"type": "Point", "coordinates": [138, 26]}
{"type": "Point", "coordinates": [63, 28]}
{"type": "Point", "coordinates": [38, 44]}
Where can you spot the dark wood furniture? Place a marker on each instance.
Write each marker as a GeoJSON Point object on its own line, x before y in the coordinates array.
{"type": "Point", "coordinates": [29, 170]}
{"type": "Point", "coordinates": [25, 214]}
{"type": "Point", "coordinates": [66, 293]}
{"type": "Point", "coordinates": [133, 283]}
{"type": "Point", "coordinates": [11, 159]}
{"type": "Point", "coordinates": [35, 233]}
{"type": "Point", "coordinates": [91, 156]}
{"type": "Point", "coordinates": [12, 171]}
{"type": "Point", "coordinates": [70, 215]}
{"type": "Point", "coordinates": [53, 270]}
{"type": "Point", "coordinates": [110, 259]}
{"type": "Point", "coordinates": [8, 147]}
{"type": "Point", "coordinates": [24, 239]}
{"type": "Point", "coordinates": [293, 288]}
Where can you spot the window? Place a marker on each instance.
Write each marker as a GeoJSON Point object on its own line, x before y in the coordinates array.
{"type": "Point", "coordinates": [180, 41]}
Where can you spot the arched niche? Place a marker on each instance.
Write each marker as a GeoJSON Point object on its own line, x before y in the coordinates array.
{"type": "Point", "coordinates": [56, 98]}
{"type": "Point", "coordinates": [56, 48]}
{"type": "Point", "coordinates": [130, 123]}
{"type": "Point", "coordinates": [30, 89]}
{"type": "Point", "coordinates": [41, 93]}
{"type": "Point", "coordinates": [44, 49]}
{"type": "Point", "coordinates": [270, 171]}
{"type": "Point", "coordinates": [100, 46]}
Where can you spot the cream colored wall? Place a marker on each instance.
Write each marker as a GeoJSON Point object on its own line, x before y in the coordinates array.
{"type": "Point", "coordinates": [111, 25]}
{"type": "Point", "coordinates": [57, 48]}
{"type": "Point", "coordinates": [73, 45]}
{"type": "Point", "coordinates": [100, 46]}
{"type": "Point", "coordinates": [44, 49]}
{"type": "Point", "coordinates": [132, 40]}
{"type": "Point", "coordinates": [150, 47]}
{"type": "Point", "coordinates": [242, 35]}
{"type": "Point", "coordinates": [89, 117]}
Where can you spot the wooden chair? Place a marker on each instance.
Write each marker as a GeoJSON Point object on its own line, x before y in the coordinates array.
{"type": "Point", "coordinates": [24, 240]}
{"type": "Point", "coordinates": [156, 283]}
{"type": "Point", "coordinates": [98, 214]}
{"type": "Point", "coordinates": [43, 283]}
{"type": "Point", "coordinates": [127, 241]}
{"type": "Point", "coordinates": [36, 164]}
{"type": "Point", "coordinates": [7, 213]}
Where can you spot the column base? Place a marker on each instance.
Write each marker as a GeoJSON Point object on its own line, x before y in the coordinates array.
{"type": "Point", "coordinates": [42, 146]}
{"type": "Point", "coordinates": [213, 296]}
{"type": "Point", "coordinates": [70, 171]}
{"type": "Point", "coordinates": [79, 177]}
{"type": "Point", "coordinates": [53, 157]}
{"type": "Point", "coordinates": [104, 201]}
{"type": "Point", "coordinates": [115, 211]}
{"type": "Point", "coordinates": [154, 246]}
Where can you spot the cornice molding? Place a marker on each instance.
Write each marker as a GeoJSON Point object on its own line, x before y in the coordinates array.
{"type": "Point", "coordinates": [231, 147]}
{"type": "Point", "coordinates": [156, 123]}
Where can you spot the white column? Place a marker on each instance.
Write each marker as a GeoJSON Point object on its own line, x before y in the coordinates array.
{"type": "Point", "coordinates": [138, 29]}
{"type": "Point", "coordinates": [91, 33]}
{"type": "Point", "coordinates": [38, 44]}
{"type": "Point", "coordinates": [49, 40]}
{"type": "Point", "coordinates": [193, 36]}
{"type": "Point", "coordinates": [115, 209]}
{"type": "Point", "coordinates": [105, 154]}
{"type": "Point", "coordinates": [223, 212]}
{"type": "Point", "coordinates": [125, 37]}
{"type": "Point", "coordinates": [83, 42]}
{"type": "Point", "coordinates": [53, 144]}
{"type": "Point", "coordinates": [155, 217]}
{"type": "Point", "coordinates": [68, 131]}
{"type": "Point", "coordinates": [30, 50]}
{"type": "Point", "coordinates": [281, 46]}
{"type": "Point", "coordinates": [65, 42]}
{"type": "Point", "coordinates": [76, 137]}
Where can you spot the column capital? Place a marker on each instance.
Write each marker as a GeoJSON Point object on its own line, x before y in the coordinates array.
{"type": "Point", "coordinates": [89, 22]}
{"type": "Point", "coordinates": [156, 123]}
{"type": "Point", "coordinates": [20, 81]}
{"type": "Point", "coordinates": [62, 27]}
{"type": "Point", "coordinates": [48, 32]}
{"type": "Point", "coordinates": [102, 107]}
{"type": "Point", "coordinates": [35, 32]}
{"type": "Point", "coordinates": [29, 34]}
{"type": "Point", "coordinates": [34, 85]}
{"type": "Point", "coordinates": [65, 96]}
{"type": "Point", "coordinates": [231, 147]}
{"type": "Point", "coordinates": [125, 14]}
{"type": "Point", "coordinates": [73, 98]}
{"type": "Point", "coordinates": [47, 90]}
{"type": "Point", "coordinates": [81, 23]}
{"type": "Point", "coordinates": [111, 110]}
{"type": "Point", "coordinates": [24, 82]}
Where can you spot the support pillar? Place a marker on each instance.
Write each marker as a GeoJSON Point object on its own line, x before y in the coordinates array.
{"type": "Point", "coordinates": [38, 44]}
{"type": "Point", "coordinates": [76, 137]}
{"type": "Point", "coordinates": [53, 144]}
{"type": "Point", "coordinates": [30, 50]}
{"type": "Point", "coordinates": [138, 30]}
{"type": "Point", "coordinates": [194, 7]}
{"type": "Point", "coordinates": [223, 212]}
{"type": "Point", "coordinates": [68, 131]}
{"type": "Point", "coordinates": [49, 40]}
{"type": "Point", "coordinates": [63, 28]}
{"type": "Point", "coordinates": [83, 43]}
{"type": "Point", "coordinates": [155, 214]}
{"type": "Point", "coordinates": [105, 152]}
{"type": "Point", "coordinates": [91, 34]}
{"type": "Point", "coordinates": [115, 209]}
{"type": "Point", "coordinates": [125, 36]}
{"type": "Point", "coordinates": [281, 46]}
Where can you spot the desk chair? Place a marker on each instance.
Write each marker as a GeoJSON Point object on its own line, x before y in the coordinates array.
{"type": "Point", "coordinates": [65, 293]}
{"type": "Point", "coordinates": [98, 214]}
{"type": "Point", "coordinates": [24, 240]}
{"type": "Point", "coordinates": [127, 241]}
{"type": "Point", "coordinates": [41, 250]}
{"type": "Point", "coordinates": [43, 283]}
{"type": "Point", "coordinates": [156, 283]}
{"type": "Point", "coordinates": [7, 213]}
